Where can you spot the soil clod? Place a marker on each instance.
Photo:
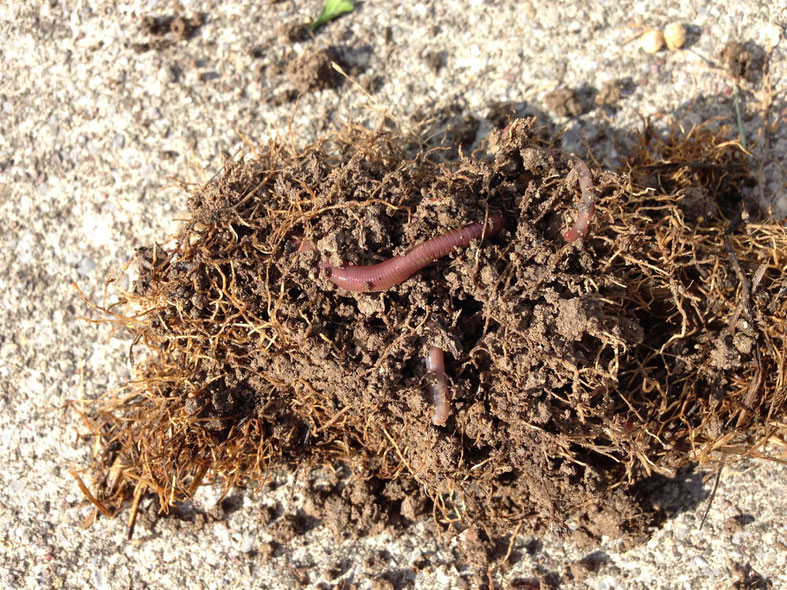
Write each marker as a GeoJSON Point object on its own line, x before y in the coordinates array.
{"type": "Point", "coordinates": [577, 370]}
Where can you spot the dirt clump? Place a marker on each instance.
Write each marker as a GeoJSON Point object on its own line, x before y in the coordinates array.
{"type": "Point", "coordinates": [564, 102]}
{"type": "Point", "coordinates": [312, 69]}
{"type": "Point", "coordinates": [742, 60]}
{"type": "Point", "coordinates": [182, 27]}
{"type": "Point", "coordinates": [576, 369]}
{"type": "Point", "coordinates": [165, 30]}
{"type": "Point", "coordinates": [609, 93]}
{"type": "Point", "coordinates": [292, 32]}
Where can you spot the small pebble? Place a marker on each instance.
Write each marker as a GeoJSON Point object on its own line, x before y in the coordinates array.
{"type": "Point", "coordinates": [699, 561]}
{"type": "Point", "coordinates": [85, 266]}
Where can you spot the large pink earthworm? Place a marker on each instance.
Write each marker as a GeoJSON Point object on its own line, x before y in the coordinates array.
{"type": "Point", "coordinates": [435, 365]}
{"type": "Point", "coordinates": [386, 274]}
{"type": "Point", "coordinates": [586, 205]}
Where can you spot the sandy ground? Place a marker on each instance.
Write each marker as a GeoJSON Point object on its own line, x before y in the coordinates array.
{"type": "Point", "coordinates": [94, 124]}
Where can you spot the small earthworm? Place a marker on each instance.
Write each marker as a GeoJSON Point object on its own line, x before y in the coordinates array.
{"type": "Point", "coordinates": [586, 205]}
{"type": "Point", "coordinates": [386, 274]}
{"type": "Point", "coordinates": [435, 364]}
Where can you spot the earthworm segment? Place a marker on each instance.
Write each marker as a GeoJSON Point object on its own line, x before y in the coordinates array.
{"type": "Point", "coordinates": [435, 365]}
{"type": "Point", "coordinates": [386, 274]}
{"type": "Point", "coordinates": [586, 205]}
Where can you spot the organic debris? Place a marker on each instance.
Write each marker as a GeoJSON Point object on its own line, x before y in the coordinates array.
{"type": "Point", "coordinates": [564, 102]}
{"type": "Point", "coordinates": [313, 70]}
{"type": "Point", "coordinates": [576, 370]}
{"type": "Point", "coordinates": [182, 27]}
{"type": "Point", "coordinates": [166, 30]}
{"type": "Point", "coordinates": [741, 62]}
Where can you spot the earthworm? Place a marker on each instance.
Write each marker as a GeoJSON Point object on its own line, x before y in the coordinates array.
{"type": "Point", "coordinates": [386, 274]}
{"type": "Point", "coordinates": [586, 205]}
{"type": "Point", "coordinates": [435, 364]}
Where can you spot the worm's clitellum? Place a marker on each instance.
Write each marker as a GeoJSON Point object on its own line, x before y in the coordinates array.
{"type": "Point", "coordinates": [435, 365]}
{"type": "Point", "coordinates": [386, 274]}
{"type": "Point", "coordinates": [586, 205]}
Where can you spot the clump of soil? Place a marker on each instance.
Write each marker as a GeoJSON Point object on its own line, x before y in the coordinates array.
{"type": "Point", "coordinates": [182, 27]}
{"type": "Point", "coordinates": [501, 113]}
{"type": "Point", "coordinates": [167, 29]}
{"type": "Point", "coordinates": [292, 32]}
{"type": "Point", "coordinates": [312, 70]}
{"type": "Point", "coordinates": [609, 93]}
{"type": "Point", "coordinates": [741, 61]}
{"type": "Point", "coordinates": [564, 102]}
{"type": "Point", "coordinates": [576, 370]}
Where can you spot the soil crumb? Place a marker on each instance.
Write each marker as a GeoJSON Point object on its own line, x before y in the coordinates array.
{"type": "Point", "coordinates": [167, 29]}
{"type": "Point", "coordinates": [609, 93]}
{"type": "Point", "coordinates": [741, 61]}
{"type": "Point", "coordinates": [182, 27]}
{"type": "Point", "coordinates": [576, 370]}
{"type": "Point", "coordinates": [312, 70]}
{"type": "Point", "coordinates": [292, 32]}
{"type": "Point", "coordinates": [564, 102]}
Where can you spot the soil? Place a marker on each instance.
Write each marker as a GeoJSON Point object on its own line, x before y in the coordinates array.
{"type": "Point", "coordinates": [292, 32]}
{"type": "Point", "coordinates": [165, 30]}
{"type": "Point", "coordinates": [609, 93]}
{"type": "Point", "coordinates": [312, 69]}
{"type": "Point", "coordinates": [502, 113]}
{"type": "Point", "coordinates": [522, 317]}
{"type": "Point", "coordinates": [563, 102]}
{"type": "Point", "coordinates": [180, 26]}
{"type": "Point", "coordinates": [261, 361]}
{"type": "Point", "coordinates": [742, 60]}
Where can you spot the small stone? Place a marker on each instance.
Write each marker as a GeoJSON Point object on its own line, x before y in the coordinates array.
{"type": "Point", "coordinates": [699, 561]}
{"type": "Point", "coordinates": [85, 266]}
{"type": "Point", "coordinates": [652, 41]}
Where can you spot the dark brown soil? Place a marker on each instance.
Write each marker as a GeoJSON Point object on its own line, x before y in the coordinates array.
{"type": "Point", "coordinates": [741, 60]}
{"type": "Point", "coordinates": [312, 70]}
{"type": "Point", "coordinates": [576, 370]}
{"type": "Point", "coordinates": [182, 27]}
{"type": "Point", "coordinates": [510, 313]}
{"type": "Point", "coordinates": [164, 30]}
{"type": "Point", "coordinates": [501, 113]}
{"type": "Point", "coordinates": [564, 102]}
{"type": "Point", "coordinates": [292, 32]}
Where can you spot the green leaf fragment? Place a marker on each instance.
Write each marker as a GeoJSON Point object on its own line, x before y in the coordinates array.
{"type": "Point", "coordinates": [332, 9]}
